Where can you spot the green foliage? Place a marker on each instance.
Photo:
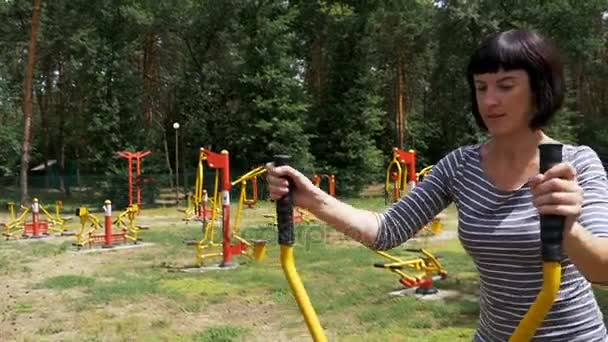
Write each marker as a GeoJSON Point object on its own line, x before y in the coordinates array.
{"type": "Point", "coordinates": [10, 151]}
{"type": "Point", "coordinates": [315, 79]}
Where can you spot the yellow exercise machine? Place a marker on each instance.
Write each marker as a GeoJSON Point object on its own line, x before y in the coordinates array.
{"type": "Point", "coordinates": [207, 247]}
{"type": "Point", "coordinates": [201, 212]}
{"type": "Point", "coordinates": [15, 223]}
{"type": "Point", "coordinates": [130, 229]}
{"type": "Point", "coordinates": [426, 269]}
{"type": "Point", "coordinates": [401, 174]}
{"type": "Point", "coordinates": [243, 181]}
{"type": "Point", "coordinates": [286, 241]}
{"type": "Point", "coordinates": [258, 252]}
{"type": "Point", "coordinates": [397, 177]}
{"type": "Point", "coordinates": [88, 225]}
{"type": "Point", "coordinates": [551, 235]}
{"type": "Point", "coordinates": [57, 221]}
{"type": "Point", "coordinates": [198, 203]}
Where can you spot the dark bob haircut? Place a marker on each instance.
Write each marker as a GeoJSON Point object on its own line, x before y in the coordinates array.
{"type": "Point", "coordinates": [517, 50]}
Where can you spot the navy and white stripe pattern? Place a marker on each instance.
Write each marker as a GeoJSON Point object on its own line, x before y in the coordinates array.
{"type": "Point", "coordinates": [500, 230]}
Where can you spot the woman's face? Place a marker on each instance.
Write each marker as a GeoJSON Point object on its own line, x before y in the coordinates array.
{"type": "Point", "coordinates": [504, 100]}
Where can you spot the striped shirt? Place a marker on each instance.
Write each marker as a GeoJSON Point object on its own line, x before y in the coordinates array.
{"type": "Point", "coordinates": [500, 230]}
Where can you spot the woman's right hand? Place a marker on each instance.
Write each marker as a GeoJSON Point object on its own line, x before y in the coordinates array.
{"type": "Point", "coordinates": [303, 190]}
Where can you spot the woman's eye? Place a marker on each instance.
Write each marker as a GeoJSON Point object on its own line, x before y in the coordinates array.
{"type": "Point", "coordinates": [505, 86]}
{"type": "Point", "coordinates": [480, 88]}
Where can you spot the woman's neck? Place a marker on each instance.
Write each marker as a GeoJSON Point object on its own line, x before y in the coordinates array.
{"type": "Point", "coordinates": [516, 147]}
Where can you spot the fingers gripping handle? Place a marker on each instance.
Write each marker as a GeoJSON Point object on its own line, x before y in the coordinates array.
{"type": "Point", "coordinates": [285, 208]}
{"type": "Point", "coordinates": [551, 226]}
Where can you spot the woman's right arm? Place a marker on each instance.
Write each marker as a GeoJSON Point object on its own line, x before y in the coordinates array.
{"type": "Point", "coordinates": [359, 224]}
{"type": "Point", "coordinates": [378, 231]}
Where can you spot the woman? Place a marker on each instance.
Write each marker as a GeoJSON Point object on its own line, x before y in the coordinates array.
{"type": "Point", "coordinates": [517, 85]}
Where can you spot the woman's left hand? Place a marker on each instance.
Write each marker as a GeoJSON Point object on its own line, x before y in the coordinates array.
{"type": "Point", "coordinates": [556, 192]}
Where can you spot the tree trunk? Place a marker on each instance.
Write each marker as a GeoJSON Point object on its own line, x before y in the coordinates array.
{"type": "Point", "coordinates": [27, 102]}
{"type": "Point", "coordinates": [399, 100]}
{"type": "Point", "coordinates": [317, 70]}
{"type": "Point", "coordinates": [150, 77]}
{"type": "Point", "coordinates": [60, 148]}
{"type": "Point", "coordinates": [43, 102]}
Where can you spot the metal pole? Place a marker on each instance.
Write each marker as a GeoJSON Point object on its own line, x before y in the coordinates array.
{"type": "Point", "coordinates": [176, 127]}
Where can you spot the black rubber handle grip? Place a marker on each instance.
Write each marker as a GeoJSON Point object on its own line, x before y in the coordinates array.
{"type": "Point", "coordinates": [285, 208]}
{"type": "Point", "coordinates": [551, 226]}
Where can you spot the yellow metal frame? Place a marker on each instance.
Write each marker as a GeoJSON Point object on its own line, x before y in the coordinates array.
{"type": "Point", "coordinates": [16, 223]}
{"type": "Point", "coordinates": [425, 266]}
{"type": "Point", "coordinates": [131, 229]}
{"type": "Point", "coordinates": [57, 223]}
{"type": "Point", "coordinates": [424, 172]}
{"type": "Point", "coordinates": [255, 250]}
{"type": "Point", "coordinates": [88, 225]}
{"type": "Point", "coordinates": [394, 163]}
{"type": "Point", "coordinates": [300, 294]}
{"type": "Point", "coordinates": [258, 252]}
{"type": "Point", "coordinates": [207, 242]}
{"type": "Point", "coordinates": [552, 275]}
{"type": "Point", "coordinates": [197, 198]}
{"type": "Point", "coordinates": [401, 175]}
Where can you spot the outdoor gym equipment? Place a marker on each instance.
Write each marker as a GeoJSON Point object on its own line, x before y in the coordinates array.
{"type": "Point", "coordinates": [427, 270]}
{"type": "Point", "coordinates": [400, 180]}
{"type": "Point", "coordinates": [130, 229]}
{"type": "Point", "coordinates": [551, 235]}
{"type": "Point", "coordinates": [286, 240]}
{"type": "Point", "coordinates": [90, 224]}
{"type": "Point", "coordinates": [220, 162]}
{"type": "Point", "coordinates": [331, 182]}
{"type": "Point", "coordinates": [57, 221]}
{"type": "Point", "coordinates": [253, 177]}
{"type": "Point", "coordinates": [36, 229]}
{"type": "Point", "coordinates": [135, 179]}
{"type": "Point", "coordinates": [253, 174]}
{"type": "Point", "coordinates": [198, 208]}
{"type": "Point", "coordinates": [16, 223]}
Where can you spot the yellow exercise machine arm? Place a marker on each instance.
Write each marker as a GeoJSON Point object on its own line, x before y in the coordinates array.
{"type": "Point", "coordinates": [551, 235]}
{"type": "Point", "coordinates": [286, 241]}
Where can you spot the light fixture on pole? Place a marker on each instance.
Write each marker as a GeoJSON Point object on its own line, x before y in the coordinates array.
{"type": "Point", "coordinates": [176, 127]}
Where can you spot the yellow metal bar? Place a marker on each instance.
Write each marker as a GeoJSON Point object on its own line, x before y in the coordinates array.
{"type": "Point", "coordinates": [83, 235]}
{"type": "Point", "coordinates": [310, 316]}
{"type": "Point", "coordinates": [389, 257]}
{"type": "Point", "coordinates": [239, 210]}
{"type": "Point", "coordinates": [552, 274]}
{"type": "Point", "coordinates": [387, 184]}
{"type": "Point", "coordinates": [198, 187]}
{"type": "Point", "coordinates": [424, 172]}
{"type": "Point", "coordinates": [249, 175]}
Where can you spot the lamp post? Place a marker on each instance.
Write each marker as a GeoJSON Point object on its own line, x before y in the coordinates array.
{"type": "Point", "coordinates": [176, 127]}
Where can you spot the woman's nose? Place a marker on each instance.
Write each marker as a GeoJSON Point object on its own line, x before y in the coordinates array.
{"type": "Point", "coordinates": [489, 98]}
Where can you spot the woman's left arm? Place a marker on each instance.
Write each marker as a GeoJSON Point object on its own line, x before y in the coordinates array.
{"type": "Point", "coordinates": [580, 193]}
{"type": "Point", "coordinates": [588, 252]}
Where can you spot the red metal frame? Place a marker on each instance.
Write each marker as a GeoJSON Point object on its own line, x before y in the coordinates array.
{"type": "Point", "coordinates": [109, 237]}
{"type": "Point", "coordinates": [222, 161]}
{"type": "Point", "coordinates": [134, 180]}
{"type": "Point", "coordinates": [331, 182]}
{"type": "Point", "coordinates": [407, 158]}
{"type": "Point", "coordinates": [252, 202]}
{"type": "Point", "coordinates": [37, 229]}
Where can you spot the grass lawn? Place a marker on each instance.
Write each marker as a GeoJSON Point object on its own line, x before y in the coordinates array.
{"type": "Point", "coordinates": [52, 293]}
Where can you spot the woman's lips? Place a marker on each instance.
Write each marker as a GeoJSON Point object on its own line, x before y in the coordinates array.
{"type": "Point", "coordinates": [495, 116]}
